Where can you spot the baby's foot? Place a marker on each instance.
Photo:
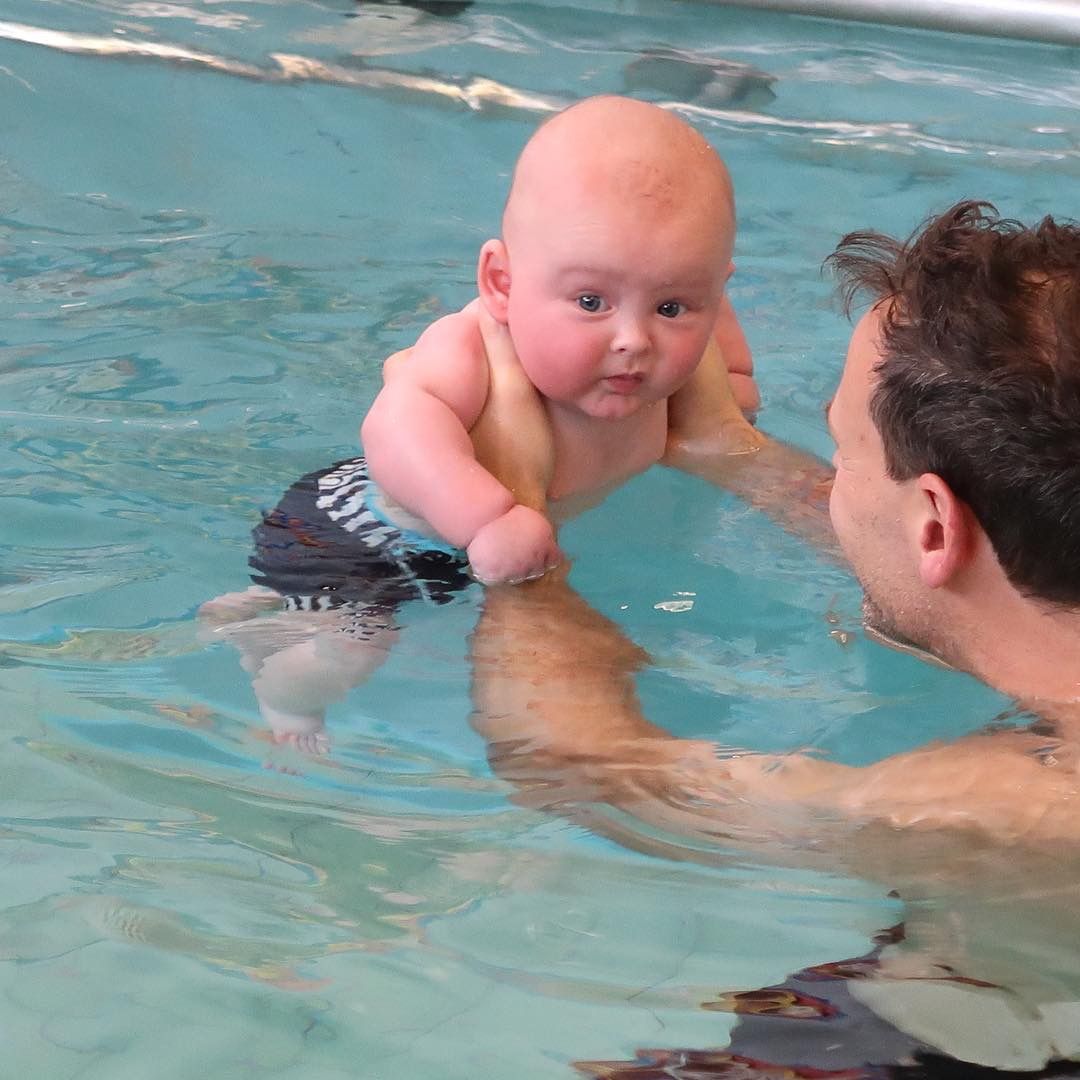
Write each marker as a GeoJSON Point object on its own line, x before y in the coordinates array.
{"type": "Point", "coordinates": [315, 743]}
{"type": "Point", "coordinates": [306, 733]}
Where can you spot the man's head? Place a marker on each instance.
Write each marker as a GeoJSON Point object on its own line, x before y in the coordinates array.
{"type": "Point", "coordinates": [616, 245]}
{"type": "Point", "coordinates": [968, 366]}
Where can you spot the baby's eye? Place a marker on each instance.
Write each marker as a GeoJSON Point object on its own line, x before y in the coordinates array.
{"type": "Point", "coordinates": [590, 302]}
{"type": "Point", "coordinates": [670, 308]}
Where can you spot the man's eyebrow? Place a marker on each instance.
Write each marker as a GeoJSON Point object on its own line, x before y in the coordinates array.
{"type": "Point", "coordinates": [826, 409]}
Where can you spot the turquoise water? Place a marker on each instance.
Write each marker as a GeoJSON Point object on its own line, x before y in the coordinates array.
{"type": "Point", "coordinates": [206, 253]}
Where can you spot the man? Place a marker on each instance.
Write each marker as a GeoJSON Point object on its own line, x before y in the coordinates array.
{"type": "Point", "coordinates": [956, 499]}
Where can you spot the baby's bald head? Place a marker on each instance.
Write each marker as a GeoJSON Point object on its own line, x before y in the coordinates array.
{"type": "Point", "coordinates": [623, 153]}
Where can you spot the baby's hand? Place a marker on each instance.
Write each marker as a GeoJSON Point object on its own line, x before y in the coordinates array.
{"type": "Point", "coordinates": [518, 546]}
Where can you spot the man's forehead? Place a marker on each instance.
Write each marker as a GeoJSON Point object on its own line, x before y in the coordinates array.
{"type": "Point", "coordinates": [867, 331]}
{"type": "Point", "coordinates": [864, 347]}
{"type": "Point", "coordinates": [851, 402]}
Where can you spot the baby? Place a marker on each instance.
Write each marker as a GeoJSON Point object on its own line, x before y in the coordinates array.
{"type": "Point", "coordinates": [594, 343]}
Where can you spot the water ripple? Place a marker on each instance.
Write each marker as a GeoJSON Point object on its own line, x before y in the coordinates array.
{"type": "Point", "coordinates": [482, 93]}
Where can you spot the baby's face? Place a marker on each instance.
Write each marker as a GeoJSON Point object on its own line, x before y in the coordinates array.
{"type": "Point", "coordinates": [611, 303]}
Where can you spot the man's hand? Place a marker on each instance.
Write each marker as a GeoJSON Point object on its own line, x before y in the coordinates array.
{"type": "Point", "coordinates": [518, 546]}
{"type": "Point", "coordinates": [704, 417]}
{"type": "Point", "coordinates": [738, 359]}
{"type": "Point", "coordinates": [745, 391]}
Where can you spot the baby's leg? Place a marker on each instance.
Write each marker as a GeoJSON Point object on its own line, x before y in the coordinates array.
{"type": "Point", "coordinates": [323, 544]}
{"type": "Point", "coordinates": [295, 685]}
{"type": "Point", "coordinates": [303, 661]}
{"type": "Point", "coordinates": [245, 604]}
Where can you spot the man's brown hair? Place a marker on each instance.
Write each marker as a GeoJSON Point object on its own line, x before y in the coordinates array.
{"type": "Point", "coordinates": [979, 380]}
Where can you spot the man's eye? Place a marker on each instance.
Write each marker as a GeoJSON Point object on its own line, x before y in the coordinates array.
{"type": "Point", "coordinates": [670, 308]}
{"type": "Point", "coordinates": [590, 302]}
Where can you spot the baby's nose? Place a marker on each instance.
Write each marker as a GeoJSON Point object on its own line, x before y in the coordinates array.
{"type": "Point", "coordinates": [631, 336]}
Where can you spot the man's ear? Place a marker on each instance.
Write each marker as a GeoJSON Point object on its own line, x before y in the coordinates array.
{"type": "Point", "coordinates": [946, 533]}
{"type": "Point", "coordinates": [493, 279]}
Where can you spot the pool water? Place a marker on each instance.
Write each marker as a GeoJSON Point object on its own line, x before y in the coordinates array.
{"type": "Point", "coordinates": [216, 220]}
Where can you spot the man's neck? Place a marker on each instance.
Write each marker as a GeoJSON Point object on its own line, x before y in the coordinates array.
{"type": "Point", "coordinates": [1030, 651]}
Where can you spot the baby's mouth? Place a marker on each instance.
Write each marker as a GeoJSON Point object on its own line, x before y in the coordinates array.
{"type": "Point", "coordinates": [624, 384]}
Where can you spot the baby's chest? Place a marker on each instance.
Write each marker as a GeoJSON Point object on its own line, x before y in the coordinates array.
{"type": "Point", "coordinates": [586, 470]}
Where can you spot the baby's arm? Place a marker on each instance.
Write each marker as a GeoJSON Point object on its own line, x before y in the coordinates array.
{"type": "Point", "coordinates": [518, 546]}
{"type": "Point", "coordinates": [416, 439]}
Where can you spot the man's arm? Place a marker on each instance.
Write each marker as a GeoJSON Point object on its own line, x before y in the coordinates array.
{"type": "Point", "coordinates": [554, 696]}
{"type": "Point", "coordinates": [738, 360]}
{"type": "Point", "coordinates": [709, 436]}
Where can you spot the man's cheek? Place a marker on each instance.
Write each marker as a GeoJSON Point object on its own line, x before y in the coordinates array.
{"type": "Point", "coordinates": [838, 508]}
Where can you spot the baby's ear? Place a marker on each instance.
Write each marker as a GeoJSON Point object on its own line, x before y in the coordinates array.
{"type": "Point", "coordinates": [493, 279]}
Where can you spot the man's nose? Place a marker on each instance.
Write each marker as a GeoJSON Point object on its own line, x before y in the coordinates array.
{"type": "Point", "coordinates": [631, 335]}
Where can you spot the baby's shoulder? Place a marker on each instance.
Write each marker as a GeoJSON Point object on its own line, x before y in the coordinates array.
{"type": "Point", "coordinates": [447, 362]}
{"type": "Point", "coordinates": [454, 338]}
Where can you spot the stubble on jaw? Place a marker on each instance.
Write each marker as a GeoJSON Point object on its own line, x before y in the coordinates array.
{"type": "Point", "coordinates": [927, 640]}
